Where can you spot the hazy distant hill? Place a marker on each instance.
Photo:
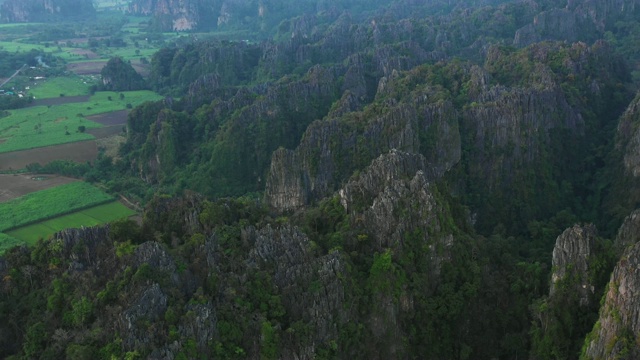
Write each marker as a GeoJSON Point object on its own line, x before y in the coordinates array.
{"type": "Point", "coordinates": [12, 11]}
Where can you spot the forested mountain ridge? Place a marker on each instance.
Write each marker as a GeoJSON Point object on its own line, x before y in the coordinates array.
{"type": "Point", "coordinates": [12, 11]}
{"type": "Point", "coordinates": [410, 182]}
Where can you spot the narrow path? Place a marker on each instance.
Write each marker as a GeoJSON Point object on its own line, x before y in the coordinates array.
{"type": "Point", "coordinates": [14, 75]}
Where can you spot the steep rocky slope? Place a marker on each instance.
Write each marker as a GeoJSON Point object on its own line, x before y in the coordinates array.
{"type": "Point", "coordinates": [629, 138]}
{"type": "Point", "coordinates": [571, 255]}
{"type": "Point", "coordinates": [233, 14]}
{"type": "Point", "coordinates": [624, 196]}
{"type": "Point", "coordinates": [615, 333]}
{"type": "Point", "coordinates": [177, 16]}
{"type": "Point", "coordinates": [393, 202]}
{"type": "Point", "coordinates": [576, 20]}
{"type": "Point", "coordinates": [580, 265]}
{"type": "Point", "coordinates": [220, 278]}
{"type": "Point", "coordinates": [494, 123]}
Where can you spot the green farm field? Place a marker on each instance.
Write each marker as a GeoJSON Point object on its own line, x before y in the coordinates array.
{"type": "Point", "coordinates": [96, 215]}
{"type": "Point", "coordinates": [7, 242]}
{"type": "Point", "coordinates": [129, 53]}
{"type": "Point", "coordinates": [49, 203]}
{"type": "Point", "coordinates": [62, 52]}
{"type": "Point", "coordinates": [41, 126]}
{"type": "Point", "coordinates": [53, 87]}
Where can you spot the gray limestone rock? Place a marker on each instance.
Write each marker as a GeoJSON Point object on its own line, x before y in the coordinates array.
{"type": "Point", "coordinates": [570, 261]}
{"type": "Point", "coordinates": [153, 254]}
{"type": "Point", "coordinates": [629, 232]}
{"type": "Point", "coordinates": [615, 334]}
{"type": "Point", "coordinates": [150, 305]}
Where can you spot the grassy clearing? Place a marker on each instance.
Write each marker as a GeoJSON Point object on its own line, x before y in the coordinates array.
{"type": "Point", "coordinates": [97, 215]}
{"type": "Point", "coordinates": [49, 203]}
{"type": "Point", "coordinates": [109, 212]}
{"type": "Point", "coordinates": [53, 87]}
{"type": "Point", "coordinates": [63, 52]}
{"type": "Point", "coordinates": [128, 53]}
{"type": "Point", "coordinates": [41, 126]}
{"type": "Point", "coordinates": [29, 235]}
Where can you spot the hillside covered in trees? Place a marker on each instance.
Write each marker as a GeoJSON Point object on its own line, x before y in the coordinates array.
{"type": "Point", "coordinates": [390, 180]}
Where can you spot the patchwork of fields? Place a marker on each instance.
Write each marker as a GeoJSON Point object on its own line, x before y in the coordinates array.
{"type": "Point", "coordinates": [40, 126]}
{"type": "Point", "coordinates": [16, 185]}
{"type": "Point", "coordinates": [64, 122]}
{"type": "Point", "coordinates": [46, 204]}
{"type": "Point", "coordinates": [89, 217]}
{"type": "Point", "coordinates": [25, 219]}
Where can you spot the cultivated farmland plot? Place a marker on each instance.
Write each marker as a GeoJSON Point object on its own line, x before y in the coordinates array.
{"type": "Point", "coordinates": [93, 216]}
{"type": "Point", "coordinates": [40, 126]}
{"type": "Point", "coordinates": [65, 122]}
{"type": "Point", "coordinates": [40, 214]}
{"type": "Point", "coordinates": [17, 185]}
{"type": "Point", "coordinates": [46, 204]}
{"type": "Point", "coordinates": [63, 52]}
{"type": "Point", "coordinates": [69, 86]}
{"type": "Point", "coordinates": [79, 152]}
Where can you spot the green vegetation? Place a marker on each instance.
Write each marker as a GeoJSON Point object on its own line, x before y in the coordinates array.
{"type": "Point", "coordinates": [46, 204]}
{"type": "Point", "coordinates": [525, 138]}
{"type": "Point", "coordinates": [119, 75]}
{"type": "Point", "coordinates": [60, 85]}
{"type": "Point", "coordinates": [64, 53]}
{"type": "Point", "coordinates": [7, 242]}
{"type": "Point", "coordinates": [40, 126]}
{"type": "Point", "coordinates": [92, 216]}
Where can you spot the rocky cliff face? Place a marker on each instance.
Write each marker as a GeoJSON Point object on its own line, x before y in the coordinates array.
{"type": "Point", "coordinates": [240, 123]}
{"type": "Point", "coordinates": [629, 232]}
{"type": "Point", "coordinates": [255, 15]}
{"type": "Point", "coordinates": [615, 333]}
{"type": "Point", "coordinates": [571, 256]}
{"type": "Point", "coordinates": [211, 284]}
{"type": "Point", "coordinates": [629, 138]}
{"type": "Point", "coordinates": [332, 149]}
{"type": "Point", "coordinates": [12, 11]}
{"type": "Point", "coordinates": [375, 198]}
{"type": "Point", "coordinates": [376, 202]}
{"type": "Point", "coordinates": [505, 121]}
{"type": "Point", "coordinates": [625, 194]}
{"type": "Point", "coordinates": [582, 20]}
{"type": "Point", "coordinates": [176, 15]}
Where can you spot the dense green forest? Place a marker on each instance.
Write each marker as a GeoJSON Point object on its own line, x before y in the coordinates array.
{"type": "Point", "coordinates": [397, 181]}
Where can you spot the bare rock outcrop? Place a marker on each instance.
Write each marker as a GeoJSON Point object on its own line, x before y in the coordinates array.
{"type": "Point", "coordinates": [175, 15]}
{"type": "Point", "coordinates": [571, 256]}
{"type": "Point", "coordinates": [149, 306]}
{"type": "Point", "coordinates": [289, 252]}
{"type": "Point", "coordinates": [629, 137]}
{"type": "Point", "coordinates": [393, 201]}
{"type": "Point", "coordinates": [615, 334]}
{"type": "Point", "coordinates": [579, 20]}
{"type": "Point", "coordinates": [629, 232]}
{"type": "Point", "coordinates": [332, 149]}
{"type": "Point", "coordinates": [83, 245]}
